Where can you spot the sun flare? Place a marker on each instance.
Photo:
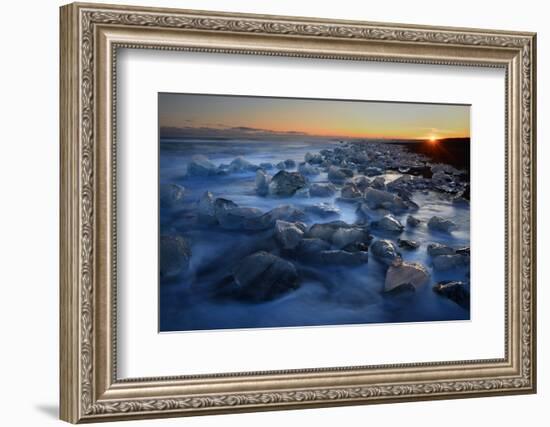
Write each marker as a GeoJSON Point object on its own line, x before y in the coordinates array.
{"type": "Point", "coordinates": [432, 140]}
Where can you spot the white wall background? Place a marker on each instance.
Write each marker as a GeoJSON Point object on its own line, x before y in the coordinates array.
{"type": "Point", "coordinates": [29, 170]}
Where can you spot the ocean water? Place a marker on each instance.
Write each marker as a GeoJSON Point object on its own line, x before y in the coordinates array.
{"type": "Point", "coordinates": [327, 295]}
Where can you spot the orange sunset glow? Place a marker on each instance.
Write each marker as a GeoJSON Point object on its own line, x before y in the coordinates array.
{"type": "Point", "coordinates": [240, 116]}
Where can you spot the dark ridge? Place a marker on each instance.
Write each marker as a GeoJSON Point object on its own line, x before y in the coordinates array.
{"type": "Point", "coordinates": [452, 151]}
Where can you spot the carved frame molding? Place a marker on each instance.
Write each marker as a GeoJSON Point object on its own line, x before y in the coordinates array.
{"type": "Point", "coordinates": [90, 37]}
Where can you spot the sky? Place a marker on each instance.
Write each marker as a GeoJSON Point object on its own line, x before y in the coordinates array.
{"type": "Point", "coordinates": [222, 116]}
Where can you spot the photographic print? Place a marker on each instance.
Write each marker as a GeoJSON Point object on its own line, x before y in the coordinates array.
{"type": "Point", "coordinates": [280, 212]}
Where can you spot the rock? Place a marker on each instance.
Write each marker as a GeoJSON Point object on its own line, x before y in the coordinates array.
{"type": "Point", "coordinates": [335, 176]}
{"type": "Point", "coordinates": [286, 164]}
{"type": "Point", "coordinates": [441, 224]}
{"type": "Point", "coordinates": [465, 194]}
{"type": "Point", "coordinates": [454, 290]}
{"type": "Point", "coordinates": [307, 169]}
{"type": "Point", "coordinates": [322, 190]}
{"type": "Point", "coordinates": [175, 254]}
{"type": "Point", "coordinates": [445, 168]}
{"type": "Point", "coordinates": [287, 213]}
{"type": "Point", "coordinates": [289, 163]}
{"type": "Point", "coordinates": [338, 175]}
{"type": "Point", "coordinates": [350, 191]}
{"type": "Point", "coordinates": [262, 182]}
{"type": "Point", "coordinates": [343, 237]}
{"type": "Point", "coordinates": [289, 234]}
{"type": "Point", "coordinates": [408, 244]}
{"type": "Point", "coordinates": [379, 199]}
{"type": "Point", "coordinates": [206, 211]}
{"type": "Point", "coordinates": [284, 212]}
{"type": "Point", "coordinates": [403, 289]}
{"type": "Point", "coordinates": [266, 166]}
{"type": "Point", "coordinates": [361, 182]}
{"type": "Point", "coordinates": [444, 182]}
{"type": "Point", "coordinates": [405, 183]}
{"type": "Point", "coordinates": [263, 276]}
{"type": "Point", "coordinates": [372, 171]}
{"type": "Point", "coordinates": [358, 158]}
{"type": "Point", "coordinates": [463, 251]}
{"type": "Point", "coordinates": [346, 171]}
{"type": "Point", "coordinates": [422, 171]}
{"type": "Point", "coordinates": [356, 247]}
{"type": "Point", "coordinates": [436, 249]}
{"type": "Point", "coordinates": [286, 183]}
{"type": "Point", "coordinates": [235, 218]}
{"type": "Point", "coordinates": [316, 159]}
{"type": "Point", "coordinates": [171, 195]}
{"type": "Point", "coordinates": [323, 210]}
{"type": "Point", "coordinates": [200, 166]}
{"type": "Point", "coordinates": [364, 211]}
{"type": "Point", "coordinates": [338, 257]}
{"type": "Point", "coordinates": [441, 177]}
{"type": "Point", "coordinates": [405, 195]}
{"type": "Point", "coordinates": [240, 164]}
{"type": "Point", "coordinates": [384, 251]}
{"type": "Point", "coordinates": [221, 205]}
{"type": "Point", "coordinates": [401, 273]}
{"type": "Point", "coordinates": [412, 221]}
{"type": "Point", "coordinates": [389, 223]}
{"type": "Point", "coordinates": [326, 230]}
{"type": "Point", "coordinates": [410, 204]}
{"type": "Point", "coordinates": [378, 183]}
{"type": "Point", "coordinates": [308, 249]}
{"type": "Point", "coordinates": [446, 262]}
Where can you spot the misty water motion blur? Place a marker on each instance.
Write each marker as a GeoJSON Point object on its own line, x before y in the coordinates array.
{"type": "Point", "coordinates": [318, 231]}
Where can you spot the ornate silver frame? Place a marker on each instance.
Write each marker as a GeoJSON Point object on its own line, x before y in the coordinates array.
{"type": "Point", "coordinates": [90, 36]}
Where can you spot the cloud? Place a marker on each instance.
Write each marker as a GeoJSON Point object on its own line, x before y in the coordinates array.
{"type": "Point", "coordinates": [246, 129]}
{"type": "Point", "coordinates": [232, 132]}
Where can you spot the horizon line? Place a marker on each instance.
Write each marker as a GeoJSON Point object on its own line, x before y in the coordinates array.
{"type": "Point", "coordinates": [340, 138]}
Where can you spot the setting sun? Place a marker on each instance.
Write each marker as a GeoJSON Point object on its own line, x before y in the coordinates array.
{"type": "Point", "coordinates": [433, 140]}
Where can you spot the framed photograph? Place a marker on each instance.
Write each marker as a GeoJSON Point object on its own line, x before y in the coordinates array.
{"type": "Point", "coordinates": [266, 212]}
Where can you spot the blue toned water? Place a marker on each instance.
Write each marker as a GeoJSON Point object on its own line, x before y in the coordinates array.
{"type": "Point", "coordinates": [343, 295]}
